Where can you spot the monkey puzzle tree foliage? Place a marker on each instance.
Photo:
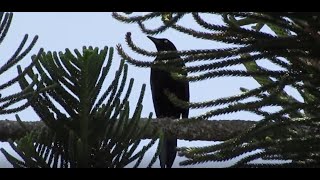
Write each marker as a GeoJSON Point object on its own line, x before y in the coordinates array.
{"type": "Point", "coordinates": [88, 126]}
{"type": "Point", "coordinates": [292, 44]}
{"type": "Point", "coordinates": [9, 103]}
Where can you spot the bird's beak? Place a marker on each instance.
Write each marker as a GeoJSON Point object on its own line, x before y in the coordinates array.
{"type": "Point", "coordinates": [154, 40]}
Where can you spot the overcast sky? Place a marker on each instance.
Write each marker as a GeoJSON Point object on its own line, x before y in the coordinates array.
{"type": "Point", "coordinates": [58, 31]}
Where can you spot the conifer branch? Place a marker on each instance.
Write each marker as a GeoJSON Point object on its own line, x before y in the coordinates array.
{"type": "Point", "coordinates": [185, 129]}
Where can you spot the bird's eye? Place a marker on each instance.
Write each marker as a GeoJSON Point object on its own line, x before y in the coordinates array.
{"type": "Point", "coordinates": [165, 41]}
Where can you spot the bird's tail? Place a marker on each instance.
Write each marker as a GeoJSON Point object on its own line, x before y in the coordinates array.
{"type": "Point", "coordinates": [168, 151]}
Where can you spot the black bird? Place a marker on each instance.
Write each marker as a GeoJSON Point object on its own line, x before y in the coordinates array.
{"type": "Point", "coordinates": [160, 81]}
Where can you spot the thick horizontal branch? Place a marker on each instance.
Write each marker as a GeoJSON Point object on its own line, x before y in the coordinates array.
{"type": "Point", "coordinates": [209, 130]}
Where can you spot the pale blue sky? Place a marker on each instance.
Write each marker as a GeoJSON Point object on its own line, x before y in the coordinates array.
{"type": "Point", "coordinates": [58, 31]}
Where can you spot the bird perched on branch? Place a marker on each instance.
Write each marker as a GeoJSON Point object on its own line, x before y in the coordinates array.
{"type": "Point", "coordinates": [161, 80]}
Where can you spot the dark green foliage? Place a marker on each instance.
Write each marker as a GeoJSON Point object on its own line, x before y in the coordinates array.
{"type": "Point", "coordinates": [291, 133]}
{"type": "Point", "coordinates": [10, 103]}
{"type": "Point", "coordinates": [89, 126]}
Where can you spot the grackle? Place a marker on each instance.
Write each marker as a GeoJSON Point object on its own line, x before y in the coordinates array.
{"type": "Point", "coordinates": [160, 81]}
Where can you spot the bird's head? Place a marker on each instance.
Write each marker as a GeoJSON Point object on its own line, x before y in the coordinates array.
{"type": "Point", "coordinates": [163, 44]}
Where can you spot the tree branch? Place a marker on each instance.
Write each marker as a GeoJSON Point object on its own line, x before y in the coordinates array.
{"type": "Point", "coordinates": [185, 129]}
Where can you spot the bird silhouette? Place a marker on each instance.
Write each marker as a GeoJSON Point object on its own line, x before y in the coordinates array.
{"type": "Point", "coordinates": [160, 81]}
